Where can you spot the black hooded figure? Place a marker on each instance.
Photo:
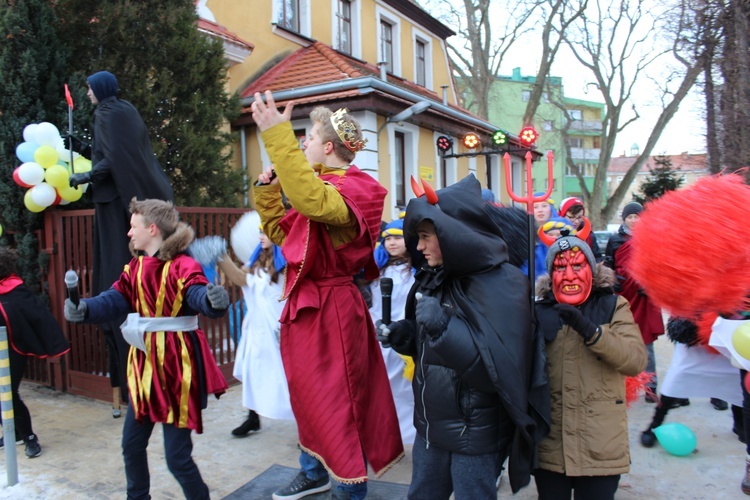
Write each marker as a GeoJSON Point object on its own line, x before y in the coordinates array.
{"type": "Point", "coordinates": [480, 384]}
{"type": "Point", "coordinates": [123, 167]}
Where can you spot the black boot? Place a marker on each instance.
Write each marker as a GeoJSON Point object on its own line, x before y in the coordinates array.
{"type": "Point", "coordinates": [252, 424]}
{"type": "Point", "coordinates": [666, 403]}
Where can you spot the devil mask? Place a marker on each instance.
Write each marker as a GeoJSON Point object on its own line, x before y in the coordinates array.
{"type": "Point", "coordinates": [571, 265]}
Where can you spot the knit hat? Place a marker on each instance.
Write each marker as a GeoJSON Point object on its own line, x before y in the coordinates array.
{"type": "Point", "coordinates": [558, 223]}
{"type": "Point", "coordinates": [394, 228]}
{"type": "Point", "coordinates": [540, 194]}
{"type": "Point", "coordinates": [631, 208]}
{"type": "Point", "coordinates": [569, 203]}
{"type": "Point", "coordinates": [103, 84]}
{"type": "Point", "coordinates": [569, 243]}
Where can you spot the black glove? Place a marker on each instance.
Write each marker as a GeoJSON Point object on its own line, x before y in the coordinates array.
{"type": "Point", "coordinates": [75, 314]}
{"type": "Point", "coordinates": [431, 315]}
{"type": "Point", "coordinates": [77, 179]}
{"type": "Point", "coordinates": [397, 335]}
{"type": "Point", "coordinates": [77, 144]}
{"type": "Point", "coordinates": [217, 297]}
{"type": "Point", "coordinates": [574, 318]}
{"type": "Point", "coordinates": [382, 333]}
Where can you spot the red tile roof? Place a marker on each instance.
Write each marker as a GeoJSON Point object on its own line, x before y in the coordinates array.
{"type": "Point", "coordinates": [682, 162]}
{"type": "Point", "coordinates": [222, 32]}
{"type": "Point", "coordinates": [318, 64]}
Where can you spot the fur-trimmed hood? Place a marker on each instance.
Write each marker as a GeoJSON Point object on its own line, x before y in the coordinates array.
{"type": "Point", "coordinates": [603, 278]}
{"type": "Point", "coordinates": [175, 244]}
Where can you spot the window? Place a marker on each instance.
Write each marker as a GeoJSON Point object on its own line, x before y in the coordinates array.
{"type": "Point", "coordinates": [289, 15]}
{"type": "Point", "coordinates": [545, 97]}
{"type": "Point", "coordinates": [301, 135]}
{"type": "Point", "coordinates": [575, 114]}
{"type": "Point", "coordinates": [547, 125]}
{"type": "Point", "coordinates": [597, 142]}
{"type": "Point", "coordinates": [386, 44]}
{"type": "Point", "coordinates": [421, 56]}
{"type": "Point", "coordinates": [399, 150]}
{"type": "Point", "coordinates": [575, 142]}
{"type": "Point", "coordinates": [525, 95]}
{"type": "Point", "coordinates": [619, 179]}
{"type": "Point", "coordinates": [344, 16]}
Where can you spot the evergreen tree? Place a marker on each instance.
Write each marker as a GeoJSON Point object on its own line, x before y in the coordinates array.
{"type": "Point", "coordinates": [32, 68]}
{"type": "Point", "coordinates": [175, 77]}
{"type": "Point", "coordinates": [662, 178]}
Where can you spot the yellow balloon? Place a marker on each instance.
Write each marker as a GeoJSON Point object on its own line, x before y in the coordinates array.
{"type": "Point", "coordinates": [57, 176]}
{"type": "Point", "coordinates": [68, 193]}
{"type": "Point", "coordinates": [33, 207]}
{"type": "Point", "coordinates": [741, 340]}
{"type": "Point", "coordinates": [46, 156]}
{"type": "Point", "coordinates": [81, 165]}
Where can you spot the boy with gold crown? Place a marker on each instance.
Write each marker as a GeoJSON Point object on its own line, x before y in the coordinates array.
{"type": "Point", "coordinates": [338, 384]}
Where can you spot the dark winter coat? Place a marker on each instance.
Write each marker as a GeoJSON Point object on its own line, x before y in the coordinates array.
{"type": "Point", "coordinates": [479, 385]}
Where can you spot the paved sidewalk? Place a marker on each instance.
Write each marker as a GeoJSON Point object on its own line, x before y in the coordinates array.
{"type": "Point", "coordinates": [81, 457]}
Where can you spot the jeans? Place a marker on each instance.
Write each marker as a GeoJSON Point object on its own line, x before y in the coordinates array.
{"type": "Point", "coordinates": [436, 473]}
{"type": "Point", "coordinates": [178, 449]}
{"type": "Point", "coordinates": [314, 470]}
{"type": "Point", "coordinates": [651, 365]}
{"type": "Point", "coordinates": [557, 486]}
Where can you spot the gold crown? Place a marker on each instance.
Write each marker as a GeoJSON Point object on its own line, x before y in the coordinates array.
{"type": "Point", "coordinates": [346, 131]}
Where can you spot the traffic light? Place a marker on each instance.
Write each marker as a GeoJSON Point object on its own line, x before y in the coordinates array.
{"type": "Point", "coordinates": [528, 136]}
{"type": "Point", "coordinates": [444, 144]}
{"type": "Point", "coordinates": [471, 140]}
{"type": "Point", "coordinates": [499, 138]}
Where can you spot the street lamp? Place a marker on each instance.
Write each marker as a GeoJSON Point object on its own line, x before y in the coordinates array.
{"type": "Point", "coordinates": [412, 110]}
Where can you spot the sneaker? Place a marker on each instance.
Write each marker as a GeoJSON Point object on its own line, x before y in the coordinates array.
{"type": "Point", "coordinates": [252, 424]}
{"type": "Point", "coordinates": [116, 412]}
{"type": "Point", "coordinates": [648, 438]}
{"type": "Point", "coordinates": [301, 487]}
{"type": "Point", "coordinates": [33, 448]}
{"type": "Point", "coordinates": [681, 402]}
{"type": "Point", "coordinates": [719, 404]}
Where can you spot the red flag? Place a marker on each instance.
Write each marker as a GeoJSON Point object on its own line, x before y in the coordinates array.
{"type": "Point", "coordinates": [68, 97]}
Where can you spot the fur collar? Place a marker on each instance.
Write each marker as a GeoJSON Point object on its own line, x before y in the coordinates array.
{"type": "Point", "coordinates": [603, 278]}
{"type": "Point", "coordinates": [174, 245]}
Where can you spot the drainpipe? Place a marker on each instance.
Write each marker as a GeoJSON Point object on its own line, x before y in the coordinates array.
{"type": "Point", "coordinates": [383, 65]}
{"type": "Point", "coordinates": [445, 94]}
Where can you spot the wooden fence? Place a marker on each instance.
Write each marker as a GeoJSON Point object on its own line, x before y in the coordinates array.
{"type": "Point", "coordinates": [68, 240]}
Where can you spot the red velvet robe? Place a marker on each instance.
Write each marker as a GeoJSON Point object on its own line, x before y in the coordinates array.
{"type": "Point", "coordinates": [647, 316]}
{"type": "Point", "coordinates": [164, 383]}
{"type": "Point", "coordinates": [338, 385]}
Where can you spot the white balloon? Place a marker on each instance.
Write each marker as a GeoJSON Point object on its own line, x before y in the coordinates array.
{"type": "Point", "coordinates": [29, 131]}
{"type": "Point", "coordinates": [245, 236]}
{"type": "Point", "coordinates": [31, 173]}
{"type": "Point", "coordinates": [46, 134]}
{"type": "Point", "coordinates": [43, 194]}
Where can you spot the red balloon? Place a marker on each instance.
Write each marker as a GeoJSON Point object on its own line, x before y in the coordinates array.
{"type": "Point", "coordinates": [747, 381]}
{"type": "Point", "coordinates": [18, 179]}
{"type": "Point", "coordinates": [58, 198]}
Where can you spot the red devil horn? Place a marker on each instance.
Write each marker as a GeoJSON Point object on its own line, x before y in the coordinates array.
{"type": "Point", "coordinates": [432, 196]}
{"type": "Point", "coordinates": [418, 190]}
{"type": "Point", "coordinates": [545, 238]}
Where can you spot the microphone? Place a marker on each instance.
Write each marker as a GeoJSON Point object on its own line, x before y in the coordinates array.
{"type": "Point", "coordinates": [386, 289]}
{"type": "Point", "coordinates": [273, 176]}
{"type": "Point", "coordinates": [71, 281]}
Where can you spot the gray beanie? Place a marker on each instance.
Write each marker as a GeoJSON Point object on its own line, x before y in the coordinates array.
{"type": "Point", "coordinates": [631, 208]}
{"type": "Point", "coordinates": [566, 243]}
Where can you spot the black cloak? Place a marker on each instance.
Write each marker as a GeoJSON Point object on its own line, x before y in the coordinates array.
{"type": "Point", "coordinates": [32, 330]}
{"type": "Point", "coordinates": [475, 264]}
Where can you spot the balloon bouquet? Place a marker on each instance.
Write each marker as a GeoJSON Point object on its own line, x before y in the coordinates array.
{"type": "Point", "coordinates": [48, 164]}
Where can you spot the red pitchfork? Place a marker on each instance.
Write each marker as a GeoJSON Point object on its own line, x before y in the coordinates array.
{"type": "Point", "coordinates": [530, 199]}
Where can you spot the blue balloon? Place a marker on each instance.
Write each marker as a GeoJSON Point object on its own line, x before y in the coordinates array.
{"type": "Point", "coordinates": [676, 438]}
{"type": "Point", "coordinates": [25, 151]}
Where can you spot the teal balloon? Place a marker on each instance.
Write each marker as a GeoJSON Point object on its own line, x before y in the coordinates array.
{"type": "Point", "coordinates": [676, 438]}
{"type": "Point", "coordinates": [25, 151]}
